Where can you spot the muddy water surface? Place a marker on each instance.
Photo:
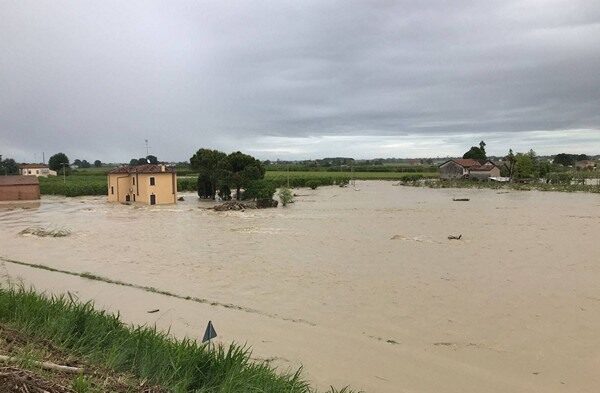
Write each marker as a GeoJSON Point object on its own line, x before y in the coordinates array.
{"type": "Point", "coordinates": [361, 287]}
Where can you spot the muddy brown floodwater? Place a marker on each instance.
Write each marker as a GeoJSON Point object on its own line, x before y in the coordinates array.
{"type": "Point", "coordinates": [361, 287]}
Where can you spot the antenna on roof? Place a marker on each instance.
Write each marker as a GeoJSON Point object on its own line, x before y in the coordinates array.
{"type": "Point", "coordinates": [147, 148]}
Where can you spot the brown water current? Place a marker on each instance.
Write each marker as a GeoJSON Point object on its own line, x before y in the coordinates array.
{"type": "Point", "coordinates": [361, 287]}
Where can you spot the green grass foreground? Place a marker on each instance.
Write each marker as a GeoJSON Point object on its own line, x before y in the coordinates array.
{"type": "Point", "coordinates": [101, 338]}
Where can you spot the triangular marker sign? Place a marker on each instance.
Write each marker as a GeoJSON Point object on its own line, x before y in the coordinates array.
{"type": "Point", "coordinates": [209, 333]}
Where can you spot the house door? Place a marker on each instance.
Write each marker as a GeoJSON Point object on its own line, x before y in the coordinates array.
{"type": "Point", "coordinates": [127, 199]}
{"type": "Point", "coordinates": [153, 199]}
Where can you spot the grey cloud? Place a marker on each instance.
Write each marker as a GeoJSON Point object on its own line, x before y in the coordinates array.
{"type": "Point", "coordinates": [94, 79]}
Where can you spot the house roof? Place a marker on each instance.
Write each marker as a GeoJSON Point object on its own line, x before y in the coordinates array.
{"type": "Point", "coordinates": [585, 162]}
{"type": "Point", "coordinates": [473, 165]}
{"type": "Point", "coordinates": [483, 168]}
{"type": "Point", "coordinates": [464, 162]}
{"type": "Point", "coordinates": [33, 166]}
{"type": "Point", "coordinates": [146, 168]}
{"type": "Point", "coordinates": [18, 180]}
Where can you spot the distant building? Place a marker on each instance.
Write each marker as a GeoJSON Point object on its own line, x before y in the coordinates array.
{"type": "Point", "coordinates": [149, 184]}
{"type": "Point", "coordinates": [36, 170]}
{"type": "Point", "coordinates": [468, 168]}
{"type": "Point", "coordinates": [588, 165]}
{"type": "Point", "coordinates": [19, 188]}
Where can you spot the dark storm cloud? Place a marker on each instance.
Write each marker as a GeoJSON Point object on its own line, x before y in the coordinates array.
{"type": "Point", "coordinates": [298, 79]}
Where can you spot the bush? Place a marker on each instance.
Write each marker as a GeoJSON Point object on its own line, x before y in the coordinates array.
{"type": "Point", "coordinates": [286, 196]}
{"type": "Point", "coordinates": [312, 184]}
{"type": "Point", "coordinates": [560, 178]}
{"type": "Point", "coordinates": [187, 184]}
{"type": "Point", "coordinates": [260, 189]}
{"type": "Point", "coordinates": [413, 177]}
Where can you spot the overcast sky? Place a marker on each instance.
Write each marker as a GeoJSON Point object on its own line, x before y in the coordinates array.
{"type": "Point", "coordinates": [297, 79]}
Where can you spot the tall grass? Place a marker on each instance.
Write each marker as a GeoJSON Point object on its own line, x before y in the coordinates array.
{"type": "Point", "coordinates": [101, 338]}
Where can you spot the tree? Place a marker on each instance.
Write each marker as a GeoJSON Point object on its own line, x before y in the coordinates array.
{"type": "Point", "coordinates": [8, 166]}
{"type": "Point", "coordinates": [243, 169]}
{"type": "Point", "coordinates": [210, 165]}
{"type": "Point", "coordinates": [85, 164]}
{"type": "Point", "coordinates": [142, 161]}
{"type": "Point", "coordinates": [565, 159]}
{"type": "Point", "coordinates": [56, 161]}
{"type": "Point", "coordinates": [152, 159]}
{"type": "Point", "coordinates": [97, 163]}
{"type": "Point", "coordinates": [509, 163]}
{"type": "Point", "coordinates": [482, 147]}
{"type": "Point", "coordinates": [524, 167]}
{"type": "Point", "coordinates": [477, 153]}
{"type": "Point", "coordinates": [77, 162]}
{"type": "Point", "coordinates": [133, 161]}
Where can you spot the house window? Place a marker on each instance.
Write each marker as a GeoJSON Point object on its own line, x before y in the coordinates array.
{"type": "Point", "coordinates": [134, 197]}
{"type": "Point", "coordinates": [29, 171]}
{"type": "Point", "coordinates": [112, 190]}
{"type": "Point", "coordinates": [151, 181]}
{"type": "Point", "coordinates": [133, 180]}
{"type": "Point", "coordinates": [37, 171]}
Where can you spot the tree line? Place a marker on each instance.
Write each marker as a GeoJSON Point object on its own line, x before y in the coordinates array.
{"type": "Point", "coordinates": [526, 165]}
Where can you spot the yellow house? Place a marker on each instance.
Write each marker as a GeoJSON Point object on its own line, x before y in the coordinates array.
{"type": "Point", "coordinates": [150, 184]}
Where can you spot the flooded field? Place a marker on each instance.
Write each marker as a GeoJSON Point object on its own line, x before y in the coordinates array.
{"type": "Point", "coordinates": [361, 287]}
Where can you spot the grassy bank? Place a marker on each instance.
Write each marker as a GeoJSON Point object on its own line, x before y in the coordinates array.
{"type": "Point", "coordinates": [145, 353]}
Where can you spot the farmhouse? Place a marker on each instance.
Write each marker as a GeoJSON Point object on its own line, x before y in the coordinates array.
{"type": "Point", "coordinates": [585, 165]}
{"type": "Point", "coordinates": [19, 188]}
{"type": "Point", "coordinates": [468, 168]}
{"type": "Point", "coordinates": [149, 184]}
{"type": "Point", "coordinates": [36, 170]}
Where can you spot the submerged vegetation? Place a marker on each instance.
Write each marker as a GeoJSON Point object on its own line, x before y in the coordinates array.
{"type": "Point", "coordinates": [45, 232]}
{"type": "Point", "coordinates": [146, 353]}
{"type": "Point", "coordinates": [540, 186]}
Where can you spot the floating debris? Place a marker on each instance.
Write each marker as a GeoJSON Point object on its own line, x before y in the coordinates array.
{"type": "Point", "coordinates": [453, 237]}
{"type": "Point", "coordinates": [44, 232]}
{"type": "Point", "coordinates": [233, 205]}
{"type": "Point", "coordinates": [461, 199]}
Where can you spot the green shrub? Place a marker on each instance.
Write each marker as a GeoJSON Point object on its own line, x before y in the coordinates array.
{"type": "Point", "coordinates": [285, 196]}
{"type": "Point", "coordinates": [313, 184]}
{"type": "Point", "coordinates": [260, 189]}
{"type": "Point", "coordinates": [560, 178]}
{"type": "Point", "coordinates": [187, 184]}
